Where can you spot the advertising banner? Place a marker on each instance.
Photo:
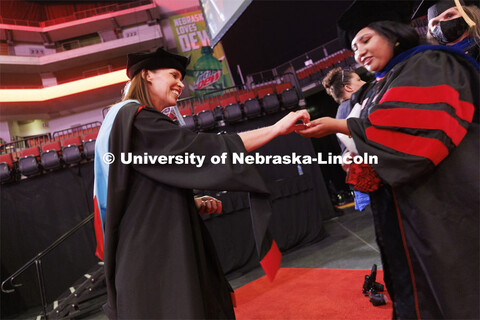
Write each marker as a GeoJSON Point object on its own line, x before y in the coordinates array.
{"type": "Point", "coordinates": [208, 70]}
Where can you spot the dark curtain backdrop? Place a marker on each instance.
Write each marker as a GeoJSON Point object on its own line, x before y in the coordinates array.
{"type": "Point", "coordinates": [34, 213]}
{"type": "Point", "coordinates": [37, 211]}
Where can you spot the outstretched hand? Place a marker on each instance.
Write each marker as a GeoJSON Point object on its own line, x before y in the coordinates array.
{"type": "Point", "coordinates": [292, 122]}
{"type": "Point", "coordinates": [322, 127]}
{"type": "Point", "coordinates": [208, 205]}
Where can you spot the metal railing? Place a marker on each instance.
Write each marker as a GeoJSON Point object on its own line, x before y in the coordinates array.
{"type": "Point", "coordinates": [78, 130]}
{"type": "Point", "coordinates": [24, 143]}
{"type": "Point", "coordinates": [37, 261]}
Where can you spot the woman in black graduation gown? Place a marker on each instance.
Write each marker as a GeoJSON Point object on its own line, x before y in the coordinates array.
{"type": "Point", "coordinates": [422, 124]}
{"type": "Point", "coordinates": [160, 262]}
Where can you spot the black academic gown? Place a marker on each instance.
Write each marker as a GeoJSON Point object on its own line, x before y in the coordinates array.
{"type": "Point", "coordinates": [423, 126]}
{"type": "Point", "coordinates": [160, 261]}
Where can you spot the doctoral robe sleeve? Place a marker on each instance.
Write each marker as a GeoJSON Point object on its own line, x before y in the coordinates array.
{"type": "Point", "coordinates": [156, 135]}
{"type": "Point", "coordinates": [421, 115]}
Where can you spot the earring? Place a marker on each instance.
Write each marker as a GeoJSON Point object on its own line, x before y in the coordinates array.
{"type": "Point", "coordinates": [397, 44]}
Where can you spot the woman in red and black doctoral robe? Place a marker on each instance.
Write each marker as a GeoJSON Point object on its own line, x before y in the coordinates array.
{"type": "Point", "coordinates": [421, 121]}
{"type": "Point", "coordinates": [160, 262]}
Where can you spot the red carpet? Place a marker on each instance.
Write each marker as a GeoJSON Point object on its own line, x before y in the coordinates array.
{"type": "Point", "coordinates": [309, 294]}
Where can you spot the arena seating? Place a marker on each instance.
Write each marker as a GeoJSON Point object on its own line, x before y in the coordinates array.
{"type": "Point", "coordinates": [6, 167]}
{"type": "Point", "coordinates": [288, 96]}
{"type": "Point", "coordinates": [317, 71]}
{"type": "Point", "coordinates": [251, 105]}
{"type": "Point", "coordinates": [205, 118]}
{"type": "Point", "coordinates": [231, 109]}
{"type": "Point", "coordinates": [71, 150]}
{"type": "Point", "coordinates": [28, 164]}
{"type": "Point", "coordinates": [187, 115]}
{"type": "Point", "coordinates": [50, 156]}
{"type": "Point", "coordinates": [88, 142]}
{"type": "Point", "coordinates": [269, 99]}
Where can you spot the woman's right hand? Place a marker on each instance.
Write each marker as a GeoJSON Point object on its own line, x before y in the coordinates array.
{"type": "Point", "coordinates": [322, 127]}
{"type": "Point", "coordinates": [290, 122]}
{"type": "Point", "coordinates": [256, 138]}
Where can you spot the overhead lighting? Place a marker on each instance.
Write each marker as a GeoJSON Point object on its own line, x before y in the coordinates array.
{"type": "Point", "coordinates": [64, 89]}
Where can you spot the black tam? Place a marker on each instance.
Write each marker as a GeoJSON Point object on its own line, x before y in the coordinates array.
{"type": "Point", "coordinates": [361, 13]}
{"type": "Point", "coordinates": [155, 60]}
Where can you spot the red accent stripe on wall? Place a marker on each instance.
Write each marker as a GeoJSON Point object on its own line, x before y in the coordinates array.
{"type": "Point", "coordinates": [427, 95]}
{"type": "Point", "coordinates": [418, 146]}
{"type": "Point", "coordinates": [422, 119]}
{"type": "Point", "coordinates": [271, 262]}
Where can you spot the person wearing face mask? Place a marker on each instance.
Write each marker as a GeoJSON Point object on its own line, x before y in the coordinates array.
{"type": "Point", "coordinates": [422, 123]}
{"type": "Point", "coordinates": [454, 24]}
{"type": "Point", "coordinates": [160, 262]}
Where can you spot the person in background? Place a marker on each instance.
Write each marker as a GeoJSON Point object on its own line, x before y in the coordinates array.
{"type": "Point", "coordinates": [160, 262]}
{"type": "Point", "coordinates": [455, 25]}
{"type": "Point", "coordinates": [422, 124]}
{"type": "Point", "coordinates": [341, 84]}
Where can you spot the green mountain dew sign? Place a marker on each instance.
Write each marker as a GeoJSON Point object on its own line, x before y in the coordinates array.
{"type": "Point", "coordinates": [208, 69]}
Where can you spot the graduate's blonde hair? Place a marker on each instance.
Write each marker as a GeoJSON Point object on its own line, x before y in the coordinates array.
{"type": "Point", "coordinates": [138, 90]}
{"type": "Point", "coordinates": [473, 12]}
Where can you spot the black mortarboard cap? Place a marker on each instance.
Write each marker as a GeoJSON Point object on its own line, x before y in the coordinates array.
{"type": "Point", "coordinates": [435, 7]}
{"type": "Point", "coordinates": [155, 60]}
{"type": "Point", "coordinates": [361, 13]}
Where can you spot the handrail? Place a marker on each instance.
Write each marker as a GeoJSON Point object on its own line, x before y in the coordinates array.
{"type": "Point", "coordinates": [31, 141]}
{"type": "Point", "coordinates": [37, 261]}
{"type": "Point", "coordinates": [77, 129]}
{"type": "Point", "coordinates": [238, 86]}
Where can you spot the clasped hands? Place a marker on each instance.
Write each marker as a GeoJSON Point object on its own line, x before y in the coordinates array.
{"type": "Point", "coordinates": [208, 205]}
{"type": "Point", "coordinates": [299, 121]}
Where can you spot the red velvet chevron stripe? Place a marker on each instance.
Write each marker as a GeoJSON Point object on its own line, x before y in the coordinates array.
{"type": "Point", "coordinates": [427, 95]}
{"type": "Point", "coordinates": [428, 148]}
{"type": "Point", "coordinates": [419, 119]}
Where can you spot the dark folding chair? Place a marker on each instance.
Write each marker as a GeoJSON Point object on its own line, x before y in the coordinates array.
{"type": "Point", "coordinates": [189, 119]}
{"type": "Point", "coordinates": [205, 118]}
{"type": "Point", "coordinates": [88, 142]}
{"type": "Point", "coordinates": [251, 105]}
{"type": "Point", "coordinates": [6, 167]}
{"type": "Point", "coordinates": [231, 109]}
{"type": "Point", "coordinates": [50, 157]}
{"type": "Point", "coordinates": [28, 163]}
{"type": "Point", "coordinates": [288, 96]}
{"type": "Point", "coordinates": [270, 103]}
{"type": "Point", "coordinates": [218, 113]}
{"type": "Point", "coordinates": [71, 150]}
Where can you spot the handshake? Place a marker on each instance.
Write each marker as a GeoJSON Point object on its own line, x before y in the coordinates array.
{"type": "Point", "coordinates": [299, 121]}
